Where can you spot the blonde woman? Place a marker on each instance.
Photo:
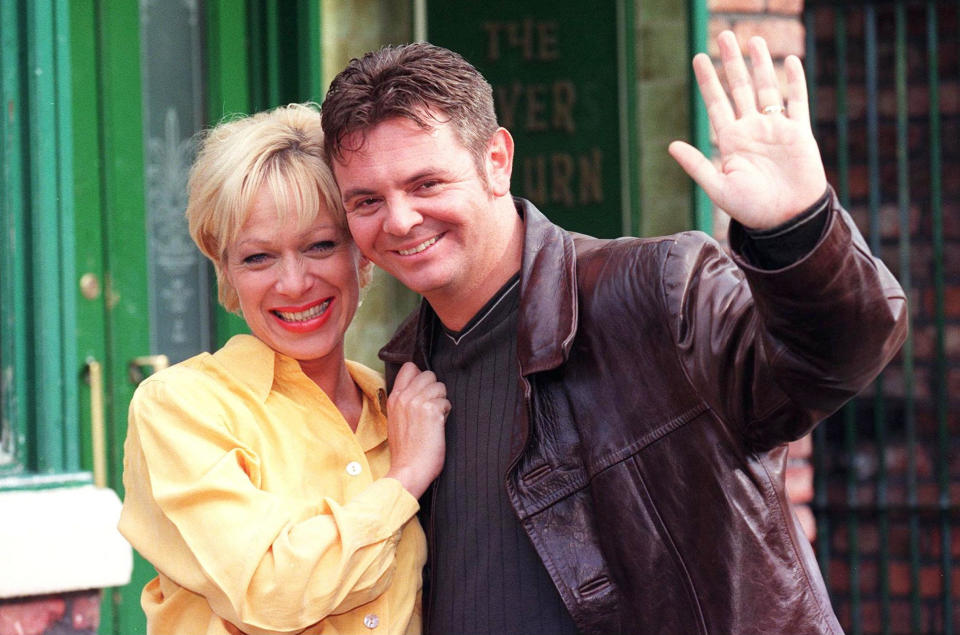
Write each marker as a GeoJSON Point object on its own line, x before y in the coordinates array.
{"type": "Point", "coordinates": [271, 483]}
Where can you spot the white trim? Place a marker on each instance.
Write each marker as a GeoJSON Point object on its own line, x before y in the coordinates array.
{"type": "Point", "coordinates": [58, 540]}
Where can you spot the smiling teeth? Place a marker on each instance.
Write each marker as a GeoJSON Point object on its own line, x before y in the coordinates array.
{"type": "Point", "coordinates": [303, 316]}
{"type": "Point", "coordinates": [418, 248]}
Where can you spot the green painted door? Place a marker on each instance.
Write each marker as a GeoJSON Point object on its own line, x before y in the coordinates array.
{"type": "Point", "coordinates": [139, 95]}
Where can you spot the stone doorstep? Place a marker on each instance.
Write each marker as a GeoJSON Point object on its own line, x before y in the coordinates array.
{"type": "Point", "coordinates": [59, 540]}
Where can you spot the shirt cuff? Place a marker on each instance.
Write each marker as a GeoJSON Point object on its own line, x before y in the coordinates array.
{"type": "Point", "coordinates": [785, 244]}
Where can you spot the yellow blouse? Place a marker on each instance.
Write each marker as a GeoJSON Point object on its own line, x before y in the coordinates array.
{"type": "Point", "coordinates": [262, 511]}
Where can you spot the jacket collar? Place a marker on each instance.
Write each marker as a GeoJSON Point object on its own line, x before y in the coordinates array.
{"type": "Point", "coordinates": [548, 293]}
{"type": "Point", "coordinates": [548, 301]}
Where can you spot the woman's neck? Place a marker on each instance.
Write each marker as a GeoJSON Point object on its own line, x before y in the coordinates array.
{"type": "Point", "coordinates": [336, 382]}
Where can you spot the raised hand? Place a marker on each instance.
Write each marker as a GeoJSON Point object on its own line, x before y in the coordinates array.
{"type": "Point", "coordinates": [416, 412]}
{"type": "Point", "coordinates": [770, 168]}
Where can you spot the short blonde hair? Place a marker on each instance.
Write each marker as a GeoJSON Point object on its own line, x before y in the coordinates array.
{"type": "Point", "coordinates": [281, 149]}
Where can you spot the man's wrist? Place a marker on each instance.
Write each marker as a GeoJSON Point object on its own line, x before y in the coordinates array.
{"type": "Point", "coordinates": [785, 244]}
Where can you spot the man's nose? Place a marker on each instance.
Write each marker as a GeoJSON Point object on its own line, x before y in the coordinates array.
{"type": "Point", "coordinates": [401, 218]}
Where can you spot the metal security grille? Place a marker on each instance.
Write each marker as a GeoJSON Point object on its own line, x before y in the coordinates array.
{"type": "Point", "coordinates": [885, 86]}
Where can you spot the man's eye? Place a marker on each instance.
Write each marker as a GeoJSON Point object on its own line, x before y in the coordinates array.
{"type": "Point", "coordinates": [429, 185]}
{"type": "Point", "coordinates": [365, 205]}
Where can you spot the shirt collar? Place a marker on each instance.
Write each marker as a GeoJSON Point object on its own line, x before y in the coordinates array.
{"type": "Point", "coordinates": [251, 361]}
{"type": "Point", "coordinates": [372, 428]}
{"type": "Point", "coordinates": [255, 365]}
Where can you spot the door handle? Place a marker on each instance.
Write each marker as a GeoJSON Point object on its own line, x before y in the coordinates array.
{"type": "Point", "coordinates": [97, 428]}
{"type": "Point", "coordinates": [136, 365]}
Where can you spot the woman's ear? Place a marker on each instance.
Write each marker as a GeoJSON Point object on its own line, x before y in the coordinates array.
{"type": "Point", "coordinates": [499, 162]}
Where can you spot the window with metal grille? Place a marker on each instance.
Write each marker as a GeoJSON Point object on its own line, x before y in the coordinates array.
{"type": "Point", "coordinates": [886, 97]}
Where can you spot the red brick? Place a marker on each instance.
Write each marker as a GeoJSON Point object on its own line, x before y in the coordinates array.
{"type": "Point", "coordinates": [839, 576]}
{"type": "Point", "coordinates": [931, 581]}
{"type": "Point", "coordinates": [715, 26]}
{"type": "Point", "coordinates": [799, 476]}
{"type": "Point", "coordinates": [900, 617]}
{"type": "Point", "coordinates": [869, 576]}
{"type": "Point", "coordinates": [871, 618]}
{"type": "Point", "coordinates": [924, 342]}
{"type": "Point", "coordinates": [951, 261]}
{"type": "Point", "coordinates": [951, 336]}
{"type": "Point", "coordinates": [898, 541]}
{"type": "Point", "coordinates": [735, 6]}
{"type": "Point", "coordinates": [868, 539]}
{"type": "Point", "coordinates": [784, 36]}
{"type": "Point", "coordinates": [858, 184]}
{"type": "Point", "coordinates": [951, 302]}
{"type": "Point", "coordinates": [950, 98]}
{"type": "Point", "coordinates": [928, 494]}
{"type": "Point", "coordinates": [85, 611]}
{"type": "Point", "coordinates": [900, 583]}
{"type": "Point", "coordinates": [953, 382]}
{"type": "Point", "coordinates": [787, 7]}
{"type": "Point", "coordinates": [823, 23]}
{"type": "Point", "coordinates": [30, 616]}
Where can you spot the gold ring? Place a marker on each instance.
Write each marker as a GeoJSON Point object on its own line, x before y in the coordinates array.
{"type": "Point", "coordinates": [769, 110]}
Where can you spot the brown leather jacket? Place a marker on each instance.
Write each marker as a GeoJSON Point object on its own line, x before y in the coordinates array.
{"type": "Point", "coordinates": [661, 380]}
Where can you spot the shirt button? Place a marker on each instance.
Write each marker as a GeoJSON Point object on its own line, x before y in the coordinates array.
{"type": "Point", "coordinates": [371, 621]}
{"type": "Point", "coordinates": [353, 469]}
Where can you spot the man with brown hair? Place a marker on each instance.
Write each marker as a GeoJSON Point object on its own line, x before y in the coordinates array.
{"type": "Point", "coordinates": [621, 409]}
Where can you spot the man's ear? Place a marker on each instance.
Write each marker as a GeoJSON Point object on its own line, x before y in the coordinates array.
{"type": "Point", "coordinates": [499, 162]}
{"type": "Point", "coordinates": [365, 271]}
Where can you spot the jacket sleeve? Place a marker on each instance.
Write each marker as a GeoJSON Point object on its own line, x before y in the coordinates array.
{"type": "Point", "coordinates": [777, 351]}
{"type": "Point", "coordinates": [193, 507]}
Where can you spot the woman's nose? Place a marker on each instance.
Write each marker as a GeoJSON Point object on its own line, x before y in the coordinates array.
{"type": "Point", "coordinates": [293, 278]}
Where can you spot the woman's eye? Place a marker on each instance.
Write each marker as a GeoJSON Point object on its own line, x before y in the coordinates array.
{"type": "Point", "coordinates": [323, 245]}
{"type": "Point", "coordinates": [255, 259]}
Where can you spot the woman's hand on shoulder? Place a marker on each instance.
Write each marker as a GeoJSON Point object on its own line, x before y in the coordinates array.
{"type": "Point", "coordinates": [416, 412]}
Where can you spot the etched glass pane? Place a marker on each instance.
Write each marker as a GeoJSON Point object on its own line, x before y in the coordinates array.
{"type": "Point", "coordinates": [171, 36]}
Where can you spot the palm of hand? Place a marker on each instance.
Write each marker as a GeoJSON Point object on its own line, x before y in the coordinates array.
{"type": "Point", "coordinates": [768, 164]}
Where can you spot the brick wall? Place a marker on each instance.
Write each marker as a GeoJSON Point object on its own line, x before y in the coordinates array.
{"type": "Point", "coordinates": [61, 614]}
{"type": "Point", "coordinates": [888, 530]}
{"type": "Point", "coordinates": [886, 525]}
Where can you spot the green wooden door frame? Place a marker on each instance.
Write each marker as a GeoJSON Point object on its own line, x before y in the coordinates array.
{"type": "Point", "coordinates": [88, 243]}
{"type": "Point", "coordinates": [115, 161]}
{"type": "Point", "coordinates": [699, 123]}
{"type": "Point", "coordinates": [39, 352]}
